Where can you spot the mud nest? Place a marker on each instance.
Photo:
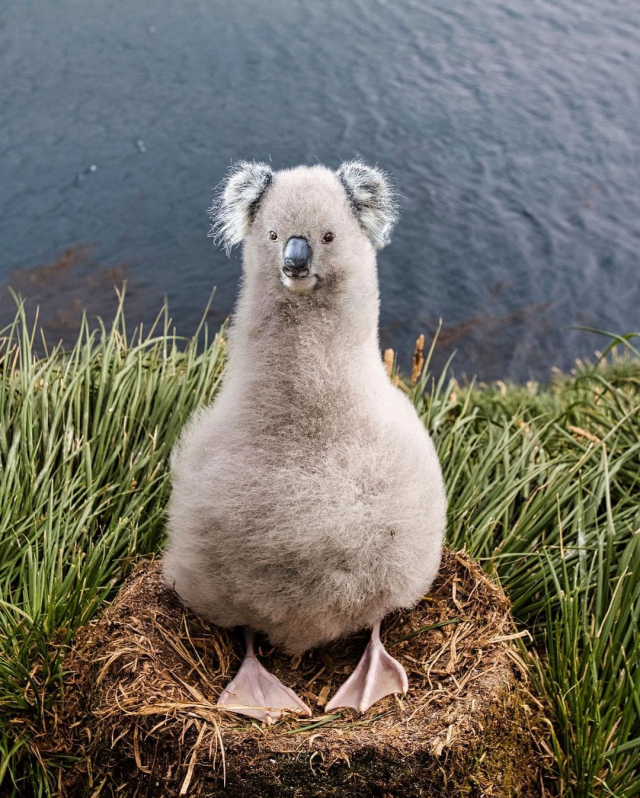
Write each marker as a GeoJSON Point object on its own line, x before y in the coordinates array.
{"type": "Point", "coordinates": [142, 681]}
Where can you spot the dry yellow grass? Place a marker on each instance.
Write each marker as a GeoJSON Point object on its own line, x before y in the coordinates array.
{"type": "Point", "coordinates": [143, 680]}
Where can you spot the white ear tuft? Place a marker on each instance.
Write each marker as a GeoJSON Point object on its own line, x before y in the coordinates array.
{"type": "Point", "coordinates": [236, 202]}
{"type": "Point", "coordinates": [372, 198]}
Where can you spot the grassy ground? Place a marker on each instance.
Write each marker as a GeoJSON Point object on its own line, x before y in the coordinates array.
{"type": "Point", "coordinates": [544, 486]}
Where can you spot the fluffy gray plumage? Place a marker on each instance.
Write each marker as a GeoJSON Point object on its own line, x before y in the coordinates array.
{"type": "Point", "coordinates": [372, 198]}
{"type": "Point", "coordinates": [307, 500]}
{"type": "Point", "coordinates": [236, 202]}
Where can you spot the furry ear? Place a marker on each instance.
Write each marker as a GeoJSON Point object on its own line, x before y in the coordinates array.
{"type": "Point", "coordinates": [236, 202]}
{"type": "Point", "coordinates": [372, 198]}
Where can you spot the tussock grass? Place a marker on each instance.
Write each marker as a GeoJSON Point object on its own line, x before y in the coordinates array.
{"type": "Point", "coordinates": [543, 481]}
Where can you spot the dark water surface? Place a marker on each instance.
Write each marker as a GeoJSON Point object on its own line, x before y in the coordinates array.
{"type": "Point", "coordinates": [512, 130]}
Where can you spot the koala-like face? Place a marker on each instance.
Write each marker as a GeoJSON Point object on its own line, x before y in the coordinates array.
{"type": "Point", "coordinates": [306, 227]}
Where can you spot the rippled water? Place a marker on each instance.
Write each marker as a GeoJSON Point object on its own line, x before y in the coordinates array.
{"type": "Point", "coordinates": [511, 129]}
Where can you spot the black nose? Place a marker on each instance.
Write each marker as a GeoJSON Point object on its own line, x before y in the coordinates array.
{"type": "Point", "coordinates": [297, 257]}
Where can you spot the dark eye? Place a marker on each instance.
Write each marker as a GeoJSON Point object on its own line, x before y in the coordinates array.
{"type": "Point", "coordinates": [273, 235]}
{"type": "Point", "coordinates": [328, 237]}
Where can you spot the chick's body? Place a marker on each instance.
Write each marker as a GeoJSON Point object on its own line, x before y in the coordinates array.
{"type": "Point", "coordinates": [307, 500]}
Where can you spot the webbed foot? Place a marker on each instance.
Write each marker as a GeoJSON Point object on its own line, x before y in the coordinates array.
{"type": "Point", "coordinates": [259, 694]}
{"type": "Point", "coordinates": [376, 675]}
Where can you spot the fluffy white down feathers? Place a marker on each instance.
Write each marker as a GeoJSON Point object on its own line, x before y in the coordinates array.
{"type": "Point", "coordinates": [308, 500]}
{"type": "Point", "coordinates": [234, 205]}
{"type": "Point", "coordinates": [370, 192]}
{"type": "Point", "coordinates": [372, 198]}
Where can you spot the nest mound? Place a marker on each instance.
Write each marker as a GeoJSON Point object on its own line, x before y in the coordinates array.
{"type": "Point", "coordinates": [142, 683]}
